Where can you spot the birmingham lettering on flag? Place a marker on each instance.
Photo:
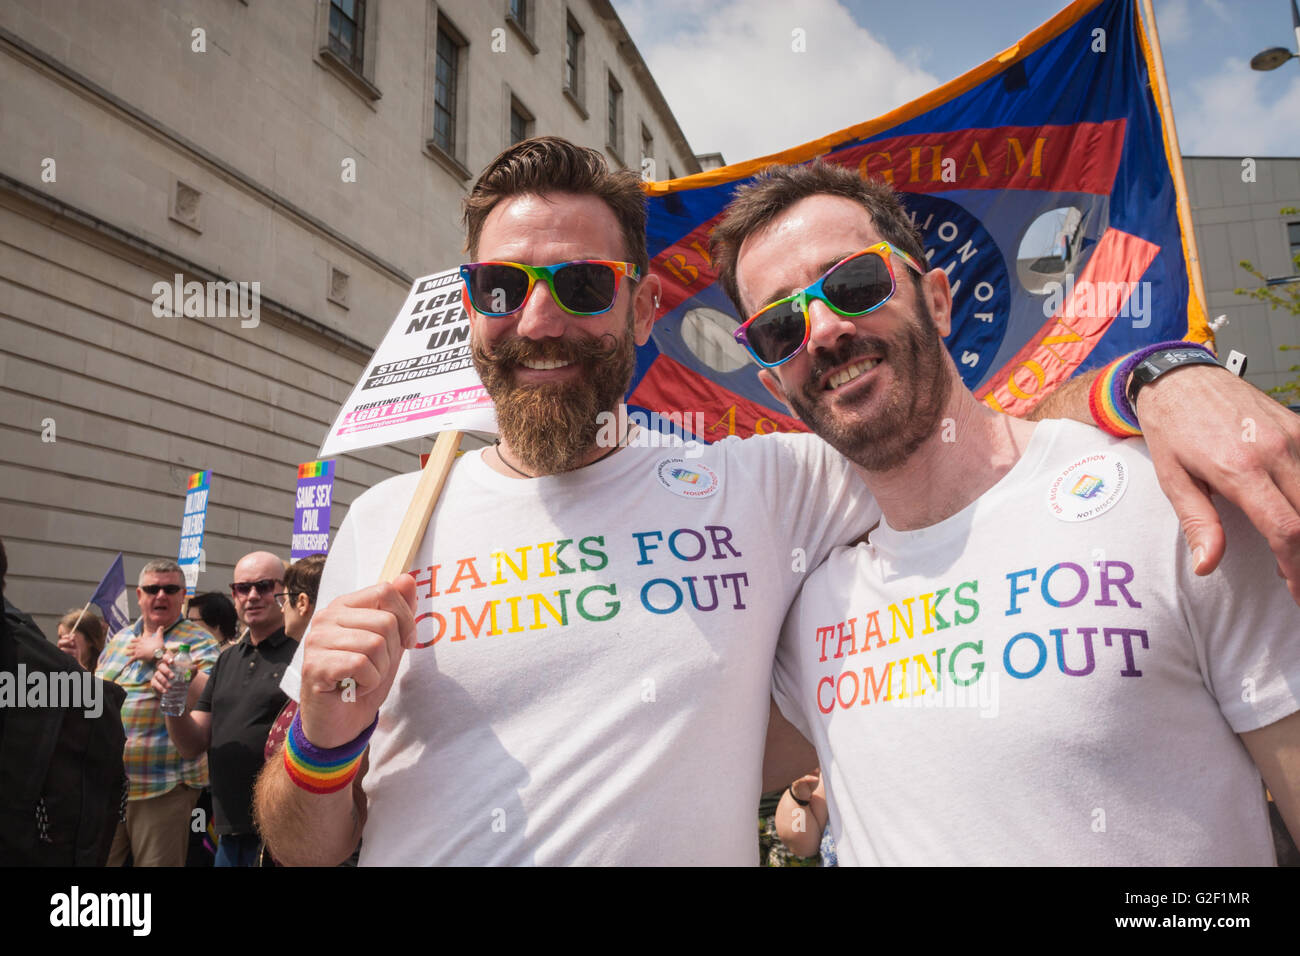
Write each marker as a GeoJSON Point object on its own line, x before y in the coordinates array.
{"type": "Point", "coordinates": [1040, 182]}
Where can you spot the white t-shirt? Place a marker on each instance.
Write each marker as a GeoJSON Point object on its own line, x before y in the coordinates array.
{"type": "Point", "coordinates": [595, 684]}
{"type": "Point", "coordinates": [1041, 678]}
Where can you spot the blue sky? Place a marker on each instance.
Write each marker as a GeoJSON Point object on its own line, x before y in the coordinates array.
{"type": "Point", "coordinates": [725, 67]}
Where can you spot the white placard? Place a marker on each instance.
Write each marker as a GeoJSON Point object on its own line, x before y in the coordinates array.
{"type": "Point", "coordinates": [421, 379]}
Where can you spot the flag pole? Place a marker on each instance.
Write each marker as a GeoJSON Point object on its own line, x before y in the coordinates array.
{"type": "Point", "coordinates": [420, 510]}
{"type": "Point", "coordinates": [1175, 156]}
{"type": "Point", "coordinates": [80, 616]}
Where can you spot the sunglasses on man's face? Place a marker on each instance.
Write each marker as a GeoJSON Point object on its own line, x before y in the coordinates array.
{"type": "Point", "coordinates": [854, 286]}
{"type": "Point", "coordinates": [152, 589]}
{"type": "Point", "coordinates": [264, 586]}
{"type": "Point", "coordinates": [582, 287]}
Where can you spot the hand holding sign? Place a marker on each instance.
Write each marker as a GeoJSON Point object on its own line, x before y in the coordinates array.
{"type": "Point", "coordinates": [358, 637]}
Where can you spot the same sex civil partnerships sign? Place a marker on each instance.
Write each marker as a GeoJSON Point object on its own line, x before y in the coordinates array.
{"type": "Point", "coordinates": [421, 379]}
{"type": "Point", "coordinates": [311, 509]}
{"type": "Point", "coordinates": [1040, 181]}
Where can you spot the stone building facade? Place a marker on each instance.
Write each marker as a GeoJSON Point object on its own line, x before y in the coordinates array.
{"type": "Point", "coordinates": [312, 151]}
{"type": "Point", "coordinates": [1237, 205]}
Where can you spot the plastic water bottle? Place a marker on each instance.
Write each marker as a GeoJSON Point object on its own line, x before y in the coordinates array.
{"type": "Point", "coordinates": [173, 702]}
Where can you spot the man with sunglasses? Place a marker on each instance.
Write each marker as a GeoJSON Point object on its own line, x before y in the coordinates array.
{"type": "Point", "coordinates": [591, 627]}
{"type": "Point", "coordinates": [235, 706]}
{"type": "Point", "coordinates": [1029, 572]}
{"type": "Point", "coordinates": [163, 784]}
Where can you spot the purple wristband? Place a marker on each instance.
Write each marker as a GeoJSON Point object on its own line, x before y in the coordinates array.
{"type": "Point", "coordinates": [335, 755]}
{"type": "Point", "coordinates": [1120, 392]}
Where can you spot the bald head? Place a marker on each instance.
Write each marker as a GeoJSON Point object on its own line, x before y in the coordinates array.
{"type": "Point", "coordinates": [259, 576]}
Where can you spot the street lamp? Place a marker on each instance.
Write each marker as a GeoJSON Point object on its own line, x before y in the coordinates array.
{"type": "Point", "coordinates": [1275, 56]}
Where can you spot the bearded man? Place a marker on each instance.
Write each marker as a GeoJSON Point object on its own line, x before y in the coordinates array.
{"type": "Point", "coordinates": [1031, 572]}
{"type": "Point", "coordinates": [591, 629]}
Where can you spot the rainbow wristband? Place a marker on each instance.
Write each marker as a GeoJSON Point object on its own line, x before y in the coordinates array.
{"type": "Point", "coordinates": [1108, 397]}
{"type": "Point", "coordinates": [1109, 405]}
{"type": "Point", "coordinates": [318, 770]}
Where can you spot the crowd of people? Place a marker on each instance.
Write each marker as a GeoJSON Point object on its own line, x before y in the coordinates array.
{"type": "Point", "coordinates": [207, 758]}
{"type": "Point", "coordinates": [603, 653]}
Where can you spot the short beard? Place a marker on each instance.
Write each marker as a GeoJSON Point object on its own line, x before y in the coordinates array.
{"type": "Point", "coordinates": [909, 416]}
{"type": "Point", "coordinates": [550, 428]}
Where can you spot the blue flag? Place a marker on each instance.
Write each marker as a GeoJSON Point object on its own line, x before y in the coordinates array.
{"type": "Point", "coordinates": [1041, 181]}
{"type": "Point", "coordinates": [110, 597]}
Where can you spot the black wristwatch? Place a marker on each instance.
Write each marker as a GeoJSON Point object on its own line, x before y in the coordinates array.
{"type": "Point", "coordinates": [1166, 360]}
{"type": "Point", "coordinates": [159, 654]}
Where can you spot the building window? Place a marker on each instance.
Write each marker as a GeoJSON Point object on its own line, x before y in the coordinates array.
{"type": "Point", "coordinates": [647, 153]}
{"type": "Point", "coordinates": [519, 16]}
{"type": "Point", "coordinates": [445, 84]}
{"type": "Point", "coordinates": [573, 53]}
{"type": "Point", "coordinates": [345, 42]}
{"type": "Point", "coordinates": [347, 31]}
{"type": "Point", "coordinates": [1293, 239]}
{"type": "Point", "coordinates": [518, 11]}
{"type": "Point", "coordinates": [521, 122]}
{"type": "Point", "coordinates": [614, 126]}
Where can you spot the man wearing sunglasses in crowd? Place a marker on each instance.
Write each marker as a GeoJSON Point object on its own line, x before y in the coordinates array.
{"type": "Point", "coordinates": [1136, 704]}
{"type": "Point", "coordinates": [163, 785]}
{"type": "Point", "coordinates": [590, 624]}
{"type": "Point", "coordinates": [232, 709]}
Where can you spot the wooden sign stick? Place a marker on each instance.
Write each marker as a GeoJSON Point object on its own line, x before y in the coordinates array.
{"type": "Point", "coordinates": [411, 532]}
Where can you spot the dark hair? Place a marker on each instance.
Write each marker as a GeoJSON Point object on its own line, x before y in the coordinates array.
{"type": "Point", "coordinates": [303, 576]}
{"type": "Point", "coordinates": [217, 611]}
{"type": "Point", "coordinates": [777, 188]}
{"type": "Point", "coordinates": [4, 565]}
{"type": "Point", "coordinates": [548, 164]}
{"type": "Point", "coordinates": [92, 628]}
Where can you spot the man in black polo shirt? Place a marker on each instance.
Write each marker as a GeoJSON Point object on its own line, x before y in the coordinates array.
{"type": "Point", "coordinates": [233, 709]}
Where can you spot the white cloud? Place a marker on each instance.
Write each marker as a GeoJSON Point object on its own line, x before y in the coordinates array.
{"type": "Point", "coordinates": [1218, 8]}
{"type": "Point", "coordinates": [1174, 21]}
{"type": "Point", "coordinates": [1227, 115]}
{"type": "Point", "coordinates": [737, 87]}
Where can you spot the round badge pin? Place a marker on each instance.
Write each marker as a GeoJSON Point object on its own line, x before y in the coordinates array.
{"type": "Point", "coordinates": [687, 479]}
{"type": "Point", "coordinates": [1089, 487]}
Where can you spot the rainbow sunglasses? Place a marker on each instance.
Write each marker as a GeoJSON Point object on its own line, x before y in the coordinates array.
{"type": "Point", "coordinates": [854, 286]}
{"type": "Point", "coordinates": [581, 287]}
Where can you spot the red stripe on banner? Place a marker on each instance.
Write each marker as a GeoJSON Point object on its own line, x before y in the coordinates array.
{"type": "Point", "coordinates": [1065, 340]}
{"type": "Point", "coordinates": [669, 386]}
{"type": "Point", "coordinates": [685, 267]}
{"type": "Point", "coordinates": [1079, 158]}
{"type": "Point", "coordinates": [1083, 157]}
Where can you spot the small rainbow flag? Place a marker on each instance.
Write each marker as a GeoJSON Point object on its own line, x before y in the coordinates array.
{"type": "Point", "coordinates": [316, 469]}
{"type": "Point", "coordinates": [198, 480]}
{"type": "Point", "coordinates": [1087, 486]}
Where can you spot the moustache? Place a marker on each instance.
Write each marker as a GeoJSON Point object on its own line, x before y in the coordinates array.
{"type": "Point", "coordinates": [512, 353]}
{"type": "Point", "coordinates": [825, 360]}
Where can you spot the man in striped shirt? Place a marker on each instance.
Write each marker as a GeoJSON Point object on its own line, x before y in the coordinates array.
{"type": "Point", "coordinates": [163, 786]}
